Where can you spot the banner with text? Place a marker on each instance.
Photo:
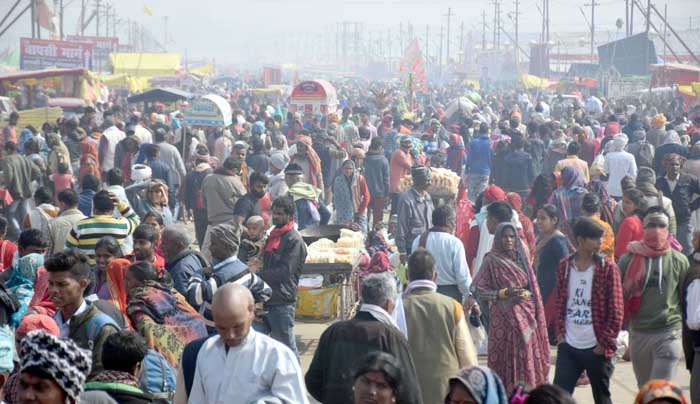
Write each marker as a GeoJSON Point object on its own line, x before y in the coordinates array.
{"type": "Point", "coordinates": [37, 54]}
{"type": "Point", "coordinates": [102, 47]}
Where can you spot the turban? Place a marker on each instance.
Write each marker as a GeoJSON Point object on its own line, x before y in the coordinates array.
{"type": "Point", "coordinates": [659, 121]}
{"type": "Point", "coordinates": [279, 160]}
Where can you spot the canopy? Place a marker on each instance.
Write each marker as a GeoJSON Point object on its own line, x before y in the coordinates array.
{"type": "Point", "coordinates": [314, 96]}
{"type": "Point", "coordinates": [206, 70]}
{"type": "Point", "coordinates": [134, 84]}
{"type": "Point", "coordinates": [160, 95]}
{"type": "Point", "coordinates": [145, 64]}
{"type": "Point", "coordinates": [209, 110]}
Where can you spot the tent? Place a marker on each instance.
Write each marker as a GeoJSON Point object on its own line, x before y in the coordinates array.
{"type": "Point", "coordinates": [145, 64]}
{"type": "Point", "coordinates": [160, 95]}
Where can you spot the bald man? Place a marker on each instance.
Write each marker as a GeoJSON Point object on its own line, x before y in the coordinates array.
{"type": "Point", "coordinates": [239, 364]}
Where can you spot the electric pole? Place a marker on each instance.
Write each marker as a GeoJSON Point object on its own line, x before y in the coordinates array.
{"type": "Point", "coordinates": [627, 18]}
{"type": "Point", "coordinates": [165, 33]}
{"type": "Point", "coordinates": [97, 16]}
{"type": "Point", "coordinates": [461, 42]}
{"type": "Point", "coordinates": [495, 23]}
{"type": "Point", "coordinates": [107, 6]}
{"type": "Point", "coordinates": [447, 42]}
{"type": "Point", "coordinates": [440, 57]}
{"type": "Point", "coordinates": [517, 17]}
{"type": "Point", "coordinates": [427, 37]}
{"type": "Point", "coordinates": [483, 30]}
{"type": "Point", "coordinates": [60, 20]}
{"type": "Point", "coordinates": [592, 4]}
{"type": "Point", "coordinates": [648, 16]}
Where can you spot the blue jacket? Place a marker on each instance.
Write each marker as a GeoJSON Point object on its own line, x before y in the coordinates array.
{"type": "Point", "coordinates": [185, 265]}
{"type": "Point", "coordinates": [519, 171]}
{"type": "Point", "coordinates": [479, 156]}
{"type": "Point", "coordinates": [376, 171]}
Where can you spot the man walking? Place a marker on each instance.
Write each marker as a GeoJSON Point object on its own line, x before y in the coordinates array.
{"type": "Point", "coordinates": [415, 211]}
{"type": "Point", "coordinates": [588, 313]}
{"type": "Point", "coordinates": [478, 166]}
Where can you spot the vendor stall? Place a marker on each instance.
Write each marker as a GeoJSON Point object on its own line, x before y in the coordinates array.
{"type": "Point", "coordinates": [333, 257]}
{"type": "Point", "coordinates": [314, 96]}
{"type": "Point", "coordinates": [209, 110]}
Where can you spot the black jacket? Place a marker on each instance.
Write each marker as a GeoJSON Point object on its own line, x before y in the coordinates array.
{"type": "Point", "coordinates": [519, 171]}
{"type": "Point", "coordinates": [341, 348]}
{"type": "Point", "coordinates": [682, 195]}
{"type": "Point", "coordinates": [282, 269]}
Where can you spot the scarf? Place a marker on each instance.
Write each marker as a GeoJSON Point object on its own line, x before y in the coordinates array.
{"type": "Point", "coordinates": [115, 376]}
{"type": "Point", "coordinates": [314, 160]}
{"type": "Point", "coordinates": [117, 288]}
{"type": "Point", "coordinates": [635, 281]}
{"type": "Point", "coordinates": [483, 385]}
{"type": "Point", "coordinates": [21, 284]}
{"type": "Point", "coordinates": [89, 162]}
{"type": "Point", "coordinates": [420, 284]}
{"type": "Point", "coordinates": [379, 314]}
{"type": "Point", "coordinates": [275, 237]}
{"type": "Point", "coordinates": [346, 195]}
{"type": "Point", "coordinates": [302, 190]}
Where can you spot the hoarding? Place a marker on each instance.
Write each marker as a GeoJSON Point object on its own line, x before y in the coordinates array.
{"type": "Point", "coordinates": [37, 54]}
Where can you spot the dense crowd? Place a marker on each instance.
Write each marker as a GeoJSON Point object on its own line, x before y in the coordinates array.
{"type": "Point", "coordinates": [575, 224]}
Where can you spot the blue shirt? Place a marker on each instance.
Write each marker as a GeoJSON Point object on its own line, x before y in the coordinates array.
{"type": "Point", "coordinates": [479, 156]}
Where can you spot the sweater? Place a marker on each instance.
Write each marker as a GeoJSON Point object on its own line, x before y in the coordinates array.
{"type": "Point", "coordinates": [660, 308]}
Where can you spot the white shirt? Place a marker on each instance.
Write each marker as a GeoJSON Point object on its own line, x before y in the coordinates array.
{"type": "Point", "coordinates": [618, 165]}
{"type": "Point", "coordinates": [450, 260]}
{"type": "Point", "coordinates": [259, 367]}
{"type": "Point", "coordinates": [65, 327]}
{"type": "Point", "coordinates": [692, 299]}
{"type": "Point", "coordinates": [579, 320]}
{"type": "Point", "coordinates": [594, 105]}
{"type": "Point", "coordinates": [143, 134]}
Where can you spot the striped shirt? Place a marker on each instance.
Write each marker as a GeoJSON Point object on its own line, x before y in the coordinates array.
{"type": "Point", "coordinates": [87, 232]}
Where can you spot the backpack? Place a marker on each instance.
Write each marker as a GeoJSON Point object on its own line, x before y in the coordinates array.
{"type": "Point", "coordinates": [95, 326]}
{"type": "Point", "coordinates": [157, 377]}
{"type": "Point", "coordinates": [643, 154]}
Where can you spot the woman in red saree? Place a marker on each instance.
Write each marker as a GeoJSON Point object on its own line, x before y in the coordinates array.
{"type": "Point", "coordinates": [518, 349]}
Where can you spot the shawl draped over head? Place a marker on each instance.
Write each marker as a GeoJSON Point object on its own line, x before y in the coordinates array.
{"type": "Point", "coordinates": [314, 160]}
{"type": "Point", "coordinates": [89, 161]}
{"type": "Point", "coordinates": [483, 385]}
{"type": "Point", "coordinates": [518, 342]}
{"type": "Point", "coordinates": [671, 138]}
{"type": "Point", "coordinates": [116, 286]}
{"type": "Point", "coordinates": [659, 389]}
{"type": "Point", "coordinates": [569, 196]}
{"type": "Point", "coordinates": [164, 319]}
{"type": "Point", "coordinates": [21, 284]}
{"type": "Point", "coordinates": [493, 193]}
{"type": "Point", "coordinates": [346, 195]}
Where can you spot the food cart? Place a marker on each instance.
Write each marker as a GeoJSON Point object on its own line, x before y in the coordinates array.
{"type": "Point", "coordinates": [314, 97]}
{"type": "Point", "coordinates": [343, 275]}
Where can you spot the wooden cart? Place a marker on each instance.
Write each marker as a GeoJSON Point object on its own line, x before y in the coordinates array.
{"type": "Point", "coordinates": [343, 275]}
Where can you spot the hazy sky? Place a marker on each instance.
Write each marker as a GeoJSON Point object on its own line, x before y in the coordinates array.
{"type": "Point", "coordinates": [234, 30]}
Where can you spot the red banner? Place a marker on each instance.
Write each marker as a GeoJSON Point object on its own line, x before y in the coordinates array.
{"type": "Point", "coordinates": [36, 54]}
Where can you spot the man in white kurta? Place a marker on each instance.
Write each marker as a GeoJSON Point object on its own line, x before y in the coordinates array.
{"type": "Point", "coordinates": [241, 365]}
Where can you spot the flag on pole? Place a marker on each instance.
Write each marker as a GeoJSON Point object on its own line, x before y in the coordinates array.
{"type": "Point", "coordinates": [147, 10]}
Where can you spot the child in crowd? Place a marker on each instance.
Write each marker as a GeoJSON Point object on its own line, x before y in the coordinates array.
{"type": "Point", "coordinates": [252, 244]}
{"type": "Point", "coordinates": [61, 180]}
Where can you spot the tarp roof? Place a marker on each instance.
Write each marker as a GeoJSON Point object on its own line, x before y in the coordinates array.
{"type": "Point", "coordinates": [37, 74]}
{"type": "Point", "coordinates": [160, 95]}
{"type": "Point", "coordinates": [145, 64]}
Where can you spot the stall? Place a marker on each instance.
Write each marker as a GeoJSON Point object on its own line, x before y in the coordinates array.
{"type": "Point", "coordinates": [314, 97]}
{"type": "Point", "coordinates": [209, 110]}
{"type": "Point", "coordinates": [332, 269]}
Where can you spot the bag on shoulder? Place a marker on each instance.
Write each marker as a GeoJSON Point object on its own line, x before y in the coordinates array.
{"type": "Point", "coordinates": [96, 324]}
{"type": "Point", "coordinates": [157, 377]}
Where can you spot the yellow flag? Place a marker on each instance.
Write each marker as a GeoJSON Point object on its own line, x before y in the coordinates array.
{"type": "Point", "coordinates": [147, 10]}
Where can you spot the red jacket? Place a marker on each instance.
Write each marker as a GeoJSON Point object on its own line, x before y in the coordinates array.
{"type": "Point", "coordinates": [607, 307]}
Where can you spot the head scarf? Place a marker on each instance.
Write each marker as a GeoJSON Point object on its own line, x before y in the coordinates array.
{"type": "Point", "coordinates": [618, 143]}
{"type": "Point", "coordinates": [116, 270]}
{"type": "Point", "coordinates": [21, 284]}
{"type": "Point", "coordinates": [279, 160]}
{"type": "Point", "coordinates": [671, 137]}
{"type": "Point", "coordinates": [89, 161]}
{"type": "Point", "coordinates": [493, 193]}
{"type": "Point", "coordinates": [62, 359]}
{"type": "Point", "coordinates": [346, 195]}
{"type": "Point", "coordinates": [659, 121]}
{"type": "Point", "coordinates": [33, 322]}
{"type": "Point", "coordinates": [515, 201]}
{"type": "Point", "coordinates": [658, 389]}
{"type": "Point", "coordinates": [483, 385]}
{"type": "Point", "coordinates": [518, 255]}
{"type": "Point", "coordinates": [314, 160]}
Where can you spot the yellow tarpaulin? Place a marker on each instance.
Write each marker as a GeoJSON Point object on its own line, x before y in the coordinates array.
{"type": "Point", "coordinates": [134, 84]}
{"type": "Point", "coordinates": [473, 83]}
{"type": "Point", "coordinates": [145, 64]}
{"type": "Point", "coordinates": [686, 90]}
{"type": "Point", "coordinates": [696, 87]}
{"type": "Point", "coordinates": [530, 81]}
{"type": "Point", "coordinates": [205, 70]}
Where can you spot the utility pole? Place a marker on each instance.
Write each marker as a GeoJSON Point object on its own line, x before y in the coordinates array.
{"type": "Point", "coordinates": [60, 19]}
{"type": "Point", "coordinates": [517, 17]}
{"type": "Point", "coordinates": [33, 17]}
{"type": "Point", "coordinates": [648, 16]}
{"type": "Point", "coordinates": [665, 31]}
{"type": "Point", "coordinates": [82, 17]}
{"type": "Point", "coordinates": [165, 33]}
{"type": "Point", "coordinates": [401, 37]}
{"type": "Point", "coordinates": [447, 42]}
{"type": "Point", "coordinates": [483, 30]}
{"type": "Point", "coordinates": [114, 21]}
{"type": "Point", "coordinates": [440, 57]}
{"type": "Point", "coordinates": [627, 18]}
{"type": "Point", "coordinates": [495, 23]}
{"type": "Point", "coordinates": [592, 4]}
{"type": "Point", "coordinates": [632, 17]}
{"type": "Point", "coordinates": [461, 42]}
{"type": "Point", "coordinates": [546, 10]}
{"type": "Point", "coordinates": [97, 16]}
{"type": "Point", "coordinates": [427, 38]}
{"type": "Point", "coordinates": [107, 6]}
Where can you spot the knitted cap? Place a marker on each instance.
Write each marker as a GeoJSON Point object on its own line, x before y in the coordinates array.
{"type": "Point", "coordinates": [279, 160]}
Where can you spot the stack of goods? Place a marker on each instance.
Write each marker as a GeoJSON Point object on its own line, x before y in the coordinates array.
{"type": "Point", "coordinates": [345, 251]}
{"type": "Point", "coordinates": [444, 181]}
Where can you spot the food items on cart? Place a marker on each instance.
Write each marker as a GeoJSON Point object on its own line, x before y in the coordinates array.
{"type": "Point", "coordinates": [344, 251]}
{"type": "Point", "coordinates": [444, 181]}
